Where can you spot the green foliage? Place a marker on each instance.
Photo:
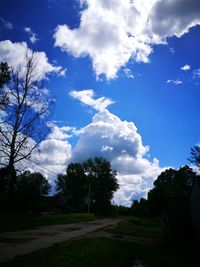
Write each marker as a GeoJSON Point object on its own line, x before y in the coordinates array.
{"type": "Point", "coordinates": [103, 183]}
{"type": "Point", "coordinates": [121, 210]}
{"type": "Point", "coordinates": [88, 185]}
{"type": "Point", "coordinates": [140, 227]}
{"type": "Point", "coordinates": [73, 185]}
{"type": "Point", "coordinates": [27, 191]}
{"type": "Point", "coordinates": [14, 222]}
{"type": "Point", "coordinates": [171, 183]}
{"type": "Point", "coordinates": [30, 189]}
{"type": "Point", "coordinates": [140, 208]}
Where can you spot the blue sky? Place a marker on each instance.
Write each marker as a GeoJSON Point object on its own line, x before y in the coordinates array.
{"type": "Point", "coordinates": [143, 57]}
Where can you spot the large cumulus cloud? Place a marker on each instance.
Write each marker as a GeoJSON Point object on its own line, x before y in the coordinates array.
{"type": "Point", "coordinates": [111, 32]}
{"type": "Point", "coordinates": [16, 54]}
{"type": "Point", "coordinates": [118, 141]}
{"type": "Point", "coordinates": [106, 136]}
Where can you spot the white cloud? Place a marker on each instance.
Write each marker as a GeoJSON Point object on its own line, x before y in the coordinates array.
{"type": "Point", "coordinates": [128, 73]}
{"type": "Point", "coordinates": [118, 141]}
{"type": "Point", "coordinates": [186, 67]}
{"type": "Point", "coordinates": [15, 54]}
{"type": "Point", "coordinates": [54, 155]}
{"type": "Point", "coordinates": [176, 82]}
{"type": "Point", "coordinates": [87, 97]}
{"type": "Point", "coordinates": [60, 133]}
{"type": "Point", "coordinates": [106, 148]}
{"type": "Point", "coordinates": [32, 36]}
{"type": "Point", "coordinates": [111, 32]}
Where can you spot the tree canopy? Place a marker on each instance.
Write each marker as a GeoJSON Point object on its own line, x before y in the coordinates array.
{"type": "Point", "coordinates": [171, 183]}
{"type": "Point", "coordinates": [89, 185]}
{"type": "Point", "coordinates": [31, 187]}
{"type": "Point", "coordinates": [73, 185]}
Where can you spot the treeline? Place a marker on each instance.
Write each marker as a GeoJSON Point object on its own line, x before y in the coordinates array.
{"type": "Point", "coordinates": [170, 184]}
{"type": "Point", "coordinates": [86, 187]}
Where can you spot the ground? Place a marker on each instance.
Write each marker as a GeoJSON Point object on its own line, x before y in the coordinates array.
{"type": "Point", "coordinates": [23, 242]}
{"type": "Point", "coordinates": [125, 242]}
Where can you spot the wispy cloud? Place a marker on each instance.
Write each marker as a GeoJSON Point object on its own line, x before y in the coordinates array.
{"type": "Point", "coordinates": [6, 23]}
{"type": "Point", "coordinates": [87, 97]}
{"type": "Point", "coordinates": [128, 73]}
{"type": "Point", "coordinates": [176, 82]}
{"type": "Point", "coordinates": [196, 73]}
{"type": "Point", "coordinates": [32, 36]}
{"type": "Point", "coordinates": [186, 67]}
{"type": "Point", "coordinates": [172, 50]}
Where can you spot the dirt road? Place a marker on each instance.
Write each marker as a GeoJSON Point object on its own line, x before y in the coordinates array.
{"type": "Point", "coordinates": [24, 242]}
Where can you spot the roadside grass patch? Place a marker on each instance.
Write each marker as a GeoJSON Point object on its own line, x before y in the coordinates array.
{"type": "Point", "coordinates": [139, 227]}
{"type": "Point", "coordinates": [98, 252]}
{"type": "Point", "coordinates": [19, 222]}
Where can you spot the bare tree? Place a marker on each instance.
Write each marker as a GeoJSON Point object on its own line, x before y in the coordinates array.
{"type": "Point", "coordinates": [22, 125]}
{"type": "Point", "coordinates": [195, 156]}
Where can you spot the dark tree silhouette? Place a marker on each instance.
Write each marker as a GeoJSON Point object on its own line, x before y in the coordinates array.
{"type": "Point", "coordinates": [73, 186]}
{"type": "Point", "coordinates": [89, 185]}
{"type": "Point", "coordinates": [6, 199]}
{"type": "Point", "coordinates": [4, 78]}
{"type": "Point", "coordinates": [102, 183]}
{"type": "Point", "coordinates": [30, 189]}
{"type": "Point", "coordinates": [4, 73]}
{"type": "Point", "coordinates": [171, 183]}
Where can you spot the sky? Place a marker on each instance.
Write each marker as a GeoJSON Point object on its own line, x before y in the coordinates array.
{"type": "Point", "coordinates": [125, 76]}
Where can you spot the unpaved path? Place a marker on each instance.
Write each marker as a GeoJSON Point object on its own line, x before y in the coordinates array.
{"type": "Point", "coordinates": [24, 242]}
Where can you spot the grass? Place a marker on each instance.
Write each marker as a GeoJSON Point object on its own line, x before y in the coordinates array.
{"type": "Point", "coordinates": [105, 252]}
{"type": "Point", "coordinates": [140, 227]}
{"type": "Point", "coordinates": [14, 223]}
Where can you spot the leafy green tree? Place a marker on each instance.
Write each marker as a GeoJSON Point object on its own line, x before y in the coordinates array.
{"type": "Point", "coordinates": [73, 185]}
{"type": "Point", "coordinates": [102, 183]}
{"type": "Point", "coordinates": [140, 208]}
{"type": "Point", "coordinates": [171, 183]}
{"type": "Point", "coordinates": [31, 187]}
{"type": "Point", "coordinates": [89, 185]}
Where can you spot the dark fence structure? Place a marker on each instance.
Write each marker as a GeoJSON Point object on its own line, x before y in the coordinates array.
{"type": "Point", "coordinates": [181, 217]}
